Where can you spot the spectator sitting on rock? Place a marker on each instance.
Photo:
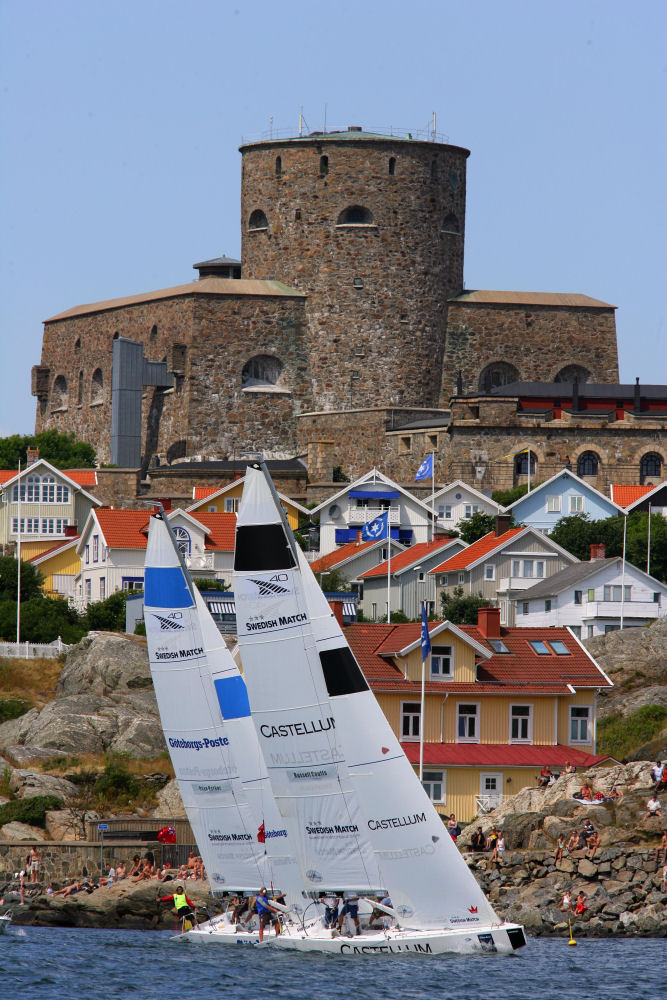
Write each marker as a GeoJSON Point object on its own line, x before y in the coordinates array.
{"type": "Point", "coordinates": [492, 839]}
{"type": "Point", "coordinates": [662, 846]}
{"type": "Point", "coordinates": [499, 849]}
{"type": "Point", "coordinates": [569, 768]}
{"type": "Point", "coordinates": [615, 795]}
{"type": "Point", "coordinates": [573, 842]}
{"type": "Point", "coordinates": [658, 775]}
{"type": "Point", "coordinates": [136, 866]}
{"type": "Point", "coordinates": [545, 778]}
{"type": "Point", "coordinates": [593, 844]}
{"type": "Point", "coordinates": [478, 842]}
{"type": "Point", "coordinates": [652, 806]}
{"type": "Point", "coordinates": [586, 792]}
{"type": "Point", "coordinates": [581, 905]}
{"type": "Point", "coordinates": [566, 902]}
{"type": "Point", "coordinates": [587, 832]}
{"type": "Point", "coordinates": [121, 871]}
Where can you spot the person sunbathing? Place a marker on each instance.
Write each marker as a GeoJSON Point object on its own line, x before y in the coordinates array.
{"type": "Point", "coordinates": [69, 890]}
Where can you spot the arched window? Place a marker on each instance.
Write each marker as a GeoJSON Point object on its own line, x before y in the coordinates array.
{"type": "Point", "coordinates": [650, 466]}
{"type": "Point", "coordinates": [324, 165]}
{"type": "Point", "coordinates": [587, 464]}
{"type": "Point", "coordinates": [154, 333]}
{"type": "Point", "coordinates": [183, 541]}
{"type": "Point", "coordinates": [497, 374]}
{"type": "Point", "coordinates": [573, 373]}
{"type": "Point", "coordinates": [258, 220]}
{"type": "Point", "coordinates": [97, 387]}
{"type": "Point", "coordinates": [59, 395]}
{"type": "Point", "coordinates": [48, 489]}
{"type": "Point", "coordinates": [450, 224]}
{"type": "Point", "coordinates": [33, 489]}
{"type": "Point", "coordinates": [521, 463]}
{"type": "Point", "coordinates": [79, 394]}
{"type": "Point", "coordinates": [279, 166]}
{"type": "Point", "coordinates": [262, 370]}
{"type": "Point", "coordinates": [77, 344]}
{"type": "Point", "coordinates": [355, 215]}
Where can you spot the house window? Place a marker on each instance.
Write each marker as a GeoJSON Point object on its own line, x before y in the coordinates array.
{"type": "Point", "coordinates": [547, 604]}
{"type": "Point", "coordinates": [324, 165]}
{"type": "Point", "coordinates": [87, 554]}
{"type": "Point", "coordinates": [613, 593]}
{"type": "Point", "coordinates": [442, 662]}
{"type": "Point", "coordinates": [261, 370]}
{"type": "Point", "coordinates": [559, 647]}
{"type": "Point", "coordinates": [580, 721]}
{"type": "Point", "coordinates": [29, 525]}
{"type": "Point", "coordinates": [525, 607]}
{"type": "Point", "coordinates": [258, 221]}
{"type": "Point", "coordinates": [410, 712]}
{"type": "Point", "coordinates": [132, 583]}
{"type": "Point", "coordinates": [231, 505]}
{"type": "Point", "coordinates": [578, 595]}
{"type": "Point", "coordinates": [374, 611]}
{"type": "Point", "coordinates": [521, 723]}
{"type": "Point", "coordinates": [443, 581]}
{"type": "Point", "coordinates": [62, 494]}
{"type": "Point", "coordinates": [355, 215]}
{"type": "Point", "coordinates": [470, 509]}
{"type": "Point", "coordinates": [96, 548]}
{"type": "Point", "coordinates": [432, 441]}
{"type": "Point", "coordinates": [656, 597]}
{"type": "Point", "coordinates": [497, 374]}
{"type": "Point", "coordinates": [445, 510]}
{"type": "Point", "coordinates": [553, 503]}
{"type": "Point", "coordinates": [540, 647]}
{"type": "Point", "coordinates": [48, 489]}
{"type": "Point", "coordinates": [358, 283]}
{"type": "Point", "coordinates": [183, 541]}
{"type": "Point", "coordinates": [528, 568]}
{"type": "Point", "coordinates": [468, 723]}
{"type": "Point", "coordinates": [104, 553]}
{"type": "Point", "coordinates": [576, 505]}
{"type": "Point", "coordinates": [516, 567]}
{"type": "Point", "coordinates": [435, 785]}
{"type": "Point", "coordinates": [576, 629]}
{"type": "Point", "coordinates": [103, 588]}
{"type": "Point", "coordinates": [587, 464]}
{"type": "Point", "coordinates": [54, 525]}
{"type": "Point", "coordinates": [404, 445]}
{"type": "Point", "coordinates": [462, 578]}
{"type": "Point", "coordinates": [88, 589]}
{"type": "Point", "coordinates": [650, 466]}
{"type": "Point", "coordinates": [490, 571]}
{"type": "Point", "coordinates": [591, 593]}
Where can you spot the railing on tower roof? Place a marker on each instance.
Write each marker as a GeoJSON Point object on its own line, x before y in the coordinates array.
{"type": "Point", "coordinates": [425, 134]}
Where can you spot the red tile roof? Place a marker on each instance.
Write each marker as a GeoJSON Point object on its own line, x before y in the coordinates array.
{"type": "Point", "coordinates": [201, 492]}
{"type": "Point", "coordinates": [482, 547]}
{"type": "Point", "coordinates": [500, 755]}
{"type": "Point", "coordinates": [624, 495]}
{"type": "Point", "coordinates": [127, 529]}
{"type": "Point", "coordinates": [82, 477]}
{"type": "Point", "coordinates": [409, 557]}
{"type": "Point", "coordinates": [522, 669]}
{"type": "Point", "coordinates": [339, 555]}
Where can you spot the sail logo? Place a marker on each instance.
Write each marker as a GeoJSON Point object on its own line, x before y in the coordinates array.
{"type": "Point", "coordinates": [405, 911]}
{"type": "Point", "coordinates": [409, 852]}
{"type": "Point", "coordinates": [396, 821]}
{"type": "Point", "coordinates": [313, 876]}
{"type": "Point", "coordinates": [203, 744]}
{"type": "Point", "coordinates": [318, 830]}
{"type": "Point", "coordinates": [280, 622]}
{"type": "Point", "coordinates": [217, 877]}
{"type": "Point", "coordinates": [178, 654]}
{"type": "Point", "coordinates": [216, 837]}
{"type": "Point", "coordinates": [207, 789]}
{"type": "Point", "coordinates": [472, 909]}
{"type": "Point", "coordinates": [312, 774]}
{"type": "Point", "coordinates": [298, 729]}
{"type": "Point", "coordinates": [169, 624]}
{"type": "Point", "coordinates": [271, 587]}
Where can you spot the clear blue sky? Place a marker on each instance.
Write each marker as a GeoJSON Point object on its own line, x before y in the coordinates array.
{"type": "Point", "coordinates": [120, 126]}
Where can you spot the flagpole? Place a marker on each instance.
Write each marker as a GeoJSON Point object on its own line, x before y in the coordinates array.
{"type": "Point", "coordinates": [433, 494]}
{"type": "Point", "coordinates": [18, 567]}
{"type": "Point", "coordinates": [625, 526]}
{"type": "Point", "coordinates": [528, 490]}
{"type": "Point", "coordinates": [388, 571]}
{"type": "Point", "coordinates": [421, 711]}
{"type": "Point", "coordinates": [648, 544]}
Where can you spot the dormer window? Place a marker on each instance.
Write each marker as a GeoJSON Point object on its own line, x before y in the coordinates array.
{"type": "Point", "coordinates": [442, 663]}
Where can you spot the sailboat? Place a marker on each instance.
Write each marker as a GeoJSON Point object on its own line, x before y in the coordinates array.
{"type": "Point", "coordinates": [217, 761]}
{"type": "Point", "coordinates": [356, 814]}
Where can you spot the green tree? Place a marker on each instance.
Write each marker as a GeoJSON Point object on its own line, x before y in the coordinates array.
{"type": "Point", "coordinates": [506, 497]}
{"type": "Point", "coordinates": [333, 581]}
{"type": "Point", "coordinates": [460, 608]}
{"type": "Point", "coordinates": [43, 619]}
{"type": "Point", "coordinates": [107, 615]}
{"type": "Point", "coordinates": [202, 584]}
{"type": "Point", "coordinates": [577, 533]}
{"type": "Point", "coordinates": [62, 450]}
{"type": "Point", "coordinates": [472, 528]}
{"type": "Point", "coordinates": [31, 579]}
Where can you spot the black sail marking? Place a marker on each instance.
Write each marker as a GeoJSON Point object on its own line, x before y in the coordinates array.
{"type": "Point", "coordinates": [342, 673]}
{"type": "Point", "coordinates": [262, 547]}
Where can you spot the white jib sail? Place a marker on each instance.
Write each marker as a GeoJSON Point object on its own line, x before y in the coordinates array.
{"type": "Point", "coordinates": [199, 746]}
{"type": "Point", "coordinates": [234, 706]}
{"type": "Point", "coordinates": [290, 706]}
{"type": "Point", "coordinates": [429, 881]}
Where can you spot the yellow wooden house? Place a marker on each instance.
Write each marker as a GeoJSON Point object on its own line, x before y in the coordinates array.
{"type": "Point", "coordinates": [225, 500]}
{"type": "Point", "coordinates": [500, 704]}
{"type": "Point", "coordinates": [60, 566]}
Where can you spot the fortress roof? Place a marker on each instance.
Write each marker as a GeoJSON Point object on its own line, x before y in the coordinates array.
{"type": "Point", "coordinates": [564, 299]}
{"type": "Point", "coordinates": [205, 286]}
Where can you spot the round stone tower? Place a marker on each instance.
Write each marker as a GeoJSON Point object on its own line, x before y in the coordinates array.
{"type": "Point", "coordinates": [371, 227]}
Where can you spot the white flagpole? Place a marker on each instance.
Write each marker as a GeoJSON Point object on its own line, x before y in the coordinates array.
{"type": "Point", "coordinates": [18, 567]}
{"type": "Point", "coordinates": [421, 712]}
{"type": "Point", "coordinates": [625, 526]}
{"type": "Point", "coordinates": [433, 494]}
{"type": "Point", "coordinates": [388, 571]}
{"type": "Point", "coordinates": [648, 544]}
{"type": "Point", "coordinates": [528, 490]}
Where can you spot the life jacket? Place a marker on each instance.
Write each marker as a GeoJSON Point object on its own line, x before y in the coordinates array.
{"type": "Point", "coordinates": [180, 900]}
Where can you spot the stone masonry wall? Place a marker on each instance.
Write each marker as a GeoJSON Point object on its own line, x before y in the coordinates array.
{"type": "Point", "coordinates": [383, 338]}
{"type": "Point", "coordinates": [538, 340]}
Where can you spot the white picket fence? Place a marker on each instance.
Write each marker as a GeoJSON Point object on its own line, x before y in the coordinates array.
{"type": "Point", "coordinates": [34, 650]}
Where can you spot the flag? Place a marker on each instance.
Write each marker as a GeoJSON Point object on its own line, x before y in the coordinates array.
{"type": "Point", "coordinates": [425, 470]}
{"type": "Point", "coordinates": [376, 530]}
{"type": "Point", "coordinates": [426, 639]}
{"type": "Point", "coordinates": [261, 834]}
{"type": "Point", "coordinates": [512, 453]}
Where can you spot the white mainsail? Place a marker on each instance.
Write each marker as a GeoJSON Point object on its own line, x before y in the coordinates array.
{"type": "Point", "coordinates": [429, 881]}
{"type": "Point", "coordinates": [290, 705]}
{"type": "Point", "coordinates": [199, 744]}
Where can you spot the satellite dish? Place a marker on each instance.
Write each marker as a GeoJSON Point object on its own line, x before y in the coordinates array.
{"type": "Point", "coordinates": [334, 512]}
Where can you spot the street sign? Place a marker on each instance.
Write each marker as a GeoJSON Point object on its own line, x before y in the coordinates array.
{"type": "Point", "coordinates": [102, 826]}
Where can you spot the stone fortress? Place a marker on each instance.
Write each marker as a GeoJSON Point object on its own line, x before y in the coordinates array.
{"type": "Point", "coordinates": [345, 321]}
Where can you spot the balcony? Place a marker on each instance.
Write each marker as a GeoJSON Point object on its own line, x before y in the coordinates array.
{"type": "Point", "coordinates": [630, 609]}
{"type": "Point", "coordinates": [362, 515]}
{"type": "Point", "coordinates": [515, 583]}
{"type": "Point", "coordinates": [200, 563]}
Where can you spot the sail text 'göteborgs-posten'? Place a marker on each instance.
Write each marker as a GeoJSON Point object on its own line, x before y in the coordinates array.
{"type": "Point", "coordinates": [203, 744]}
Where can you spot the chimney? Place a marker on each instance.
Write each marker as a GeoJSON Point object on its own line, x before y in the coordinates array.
{"type": "Point", "coordinates": [503, 522]}
{"type": "Point", "coordinates": [638, 400]}
{"type": "Point", "coordinates": [71, 531]}
{"type": "Point", "coordinates": [359, 537]}
{"type": "Point", "coordinates": [337, 608]}
{"type": "Point", "coordinates": [597, 550]}
{"type": "Point", "coordinates": [488, 622]}
{"type": "Point", "coordinates": [32, 454]}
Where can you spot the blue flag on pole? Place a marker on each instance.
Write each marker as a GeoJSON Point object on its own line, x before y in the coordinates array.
{"type": "Point", "coordinates": [377, 529]}
{"type": "Point", "coordinates": [426, 639]}
{"type": "Point", "coordinates": [425, 470]}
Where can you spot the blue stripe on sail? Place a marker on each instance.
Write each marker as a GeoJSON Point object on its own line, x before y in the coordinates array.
{"type": "Point", "coordinates": [165, 587]}
{"type": "Point", "coordinates": [232, 697]}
